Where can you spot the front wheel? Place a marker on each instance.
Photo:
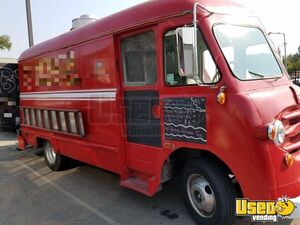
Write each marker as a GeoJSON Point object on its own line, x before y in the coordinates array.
{"type": "Point", "coordinates": [53, 159]}
{"type": "Point", "coordinates": [208, 193]}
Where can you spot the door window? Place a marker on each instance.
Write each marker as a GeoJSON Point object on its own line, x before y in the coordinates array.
{"type": "Point", "coordinates": [139, 60]}
{"type": "Point", "coordinates": [208, 71]}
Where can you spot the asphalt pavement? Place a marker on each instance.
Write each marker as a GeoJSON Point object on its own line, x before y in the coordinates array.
{"type": "Point", "coordinates": [32, 194]}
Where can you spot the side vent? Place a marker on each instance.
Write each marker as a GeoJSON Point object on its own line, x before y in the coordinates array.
{"type": "Point", "coordinates": [61, 121]}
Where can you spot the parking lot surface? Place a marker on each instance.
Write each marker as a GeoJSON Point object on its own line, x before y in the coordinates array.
{"type": "Point", "coordinates": [31, 194]}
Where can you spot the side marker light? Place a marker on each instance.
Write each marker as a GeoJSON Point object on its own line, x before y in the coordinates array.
{"type": "Point", "coordinates": [289, 160]}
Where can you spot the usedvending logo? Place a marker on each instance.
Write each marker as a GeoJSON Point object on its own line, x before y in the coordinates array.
{"type": "Point", "coordinates": [265, 211]}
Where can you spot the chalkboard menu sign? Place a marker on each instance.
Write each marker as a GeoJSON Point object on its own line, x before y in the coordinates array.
{"type": "Point", "coordinates": [185, 119]}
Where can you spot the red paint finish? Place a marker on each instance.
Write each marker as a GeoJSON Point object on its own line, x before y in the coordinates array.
{"type": "Point", "coordinates": [84, 67]}
{"type": "Point", "coordinates": [21, 143]}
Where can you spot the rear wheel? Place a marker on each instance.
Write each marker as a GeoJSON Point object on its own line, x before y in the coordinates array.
{"type": "Point", "coordinates": [53, 159]}
{"type": "Point", "coordinates": [208, 193]}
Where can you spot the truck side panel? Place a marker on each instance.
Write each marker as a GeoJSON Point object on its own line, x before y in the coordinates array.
{"type": "Point", "coordinates": [81, 78]}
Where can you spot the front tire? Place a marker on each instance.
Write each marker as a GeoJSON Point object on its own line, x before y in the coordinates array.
{"type": "Point", "coordinates": [53, 159]}
{"type": "Point", "coordinates": [208, 193]}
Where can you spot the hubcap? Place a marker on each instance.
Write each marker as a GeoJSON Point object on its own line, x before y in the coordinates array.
{"type": "Point", "coordinates": [50, 153]}
{"type": "Point", "coordinates": [201, 196]}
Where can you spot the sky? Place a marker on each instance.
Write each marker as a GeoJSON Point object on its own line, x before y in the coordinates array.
{"type": "Point", "coordinates": [52, 18]}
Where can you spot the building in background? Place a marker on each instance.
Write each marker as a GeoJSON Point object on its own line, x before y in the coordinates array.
{"type": "Point", "coordinates": [295, 76]}
{"type": "Point", "coordinates": [9, 94]}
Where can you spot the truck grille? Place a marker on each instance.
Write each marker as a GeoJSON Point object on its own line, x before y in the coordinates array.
{"type": "Point", "coordinates": [61, 121]}
{"type": "Point", "coordinates": [291, 122]}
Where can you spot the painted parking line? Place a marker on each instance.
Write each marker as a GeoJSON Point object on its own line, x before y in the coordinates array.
{"type": "Point", "coordinates": [71, 196]}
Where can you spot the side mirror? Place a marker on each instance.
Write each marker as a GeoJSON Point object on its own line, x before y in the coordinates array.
{"type": "Point", "coordinates": [186, 51]}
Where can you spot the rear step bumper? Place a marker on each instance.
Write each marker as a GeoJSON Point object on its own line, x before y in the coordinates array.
{"type": "Point", "coordinates": [21, 143]}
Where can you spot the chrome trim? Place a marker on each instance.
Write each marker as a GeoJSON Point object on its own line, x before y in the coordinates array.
{"type": "Point", "coordinates": [68, 95]}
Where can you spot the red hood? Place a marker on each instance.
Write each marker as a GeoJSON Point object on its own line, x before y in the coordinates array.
{"type": "Point", "coordinates": [270, 102]}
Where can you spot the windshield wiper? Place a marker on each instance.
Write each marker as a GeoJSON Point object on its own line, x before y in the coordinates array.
{"type": "Point", "coordinates": [256, 74]}
{"type": "Point", "coordinates": [264, 76]}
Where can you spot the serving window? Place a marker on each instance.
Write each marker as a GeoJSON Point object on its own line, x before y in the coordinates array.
{"type": "Point", "coordinates": [139, 60]}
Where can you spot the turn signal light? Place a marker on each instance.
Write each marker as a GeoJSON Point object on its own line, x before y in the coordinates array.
{"type": "Point", "coordinates": [289, 160]}
{"type": "Point", "coordinates": [221, 98]}
{"type": "Point", "coordinates": [272, 133]}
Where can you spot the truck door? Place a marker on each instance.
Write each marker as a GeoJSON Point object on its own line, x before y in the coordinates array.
{"type": "Point", "coordinates": [141, 97]}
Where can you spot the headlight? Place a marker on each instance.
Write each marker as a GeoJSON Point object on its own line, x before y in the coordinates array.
{"type": "Point", "coordinates": [276, 132]}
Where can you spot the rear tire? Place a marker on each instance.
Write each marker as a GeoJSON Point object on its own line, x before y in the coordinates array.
{"type": "Point", "coordinates": [53, 159]}
{"type": "Point", "coordinates": [208, 193]}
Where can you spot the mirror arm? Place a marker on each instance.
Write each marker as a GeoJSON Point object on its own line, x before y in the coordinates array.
{"type": "Point", "coordinates": [195, 23]}
{"type": "Point", "coordinates": [196, 38]}
{"type": "Point", "coordinates": [197, 4]}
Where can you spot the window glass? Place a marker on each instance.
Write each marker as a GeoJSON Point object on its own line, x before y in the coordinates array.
{"type": "Point", "coordinates": [247, 52]}
{"type": "Point", "coordinates": [208, 72]}
{"type": "Point", "coordinates": [139, 60]}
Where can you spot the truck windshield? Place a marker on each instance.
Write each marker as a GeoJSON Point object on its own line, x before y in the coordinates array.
{"type": "Point", "coordinates": [247, 52]}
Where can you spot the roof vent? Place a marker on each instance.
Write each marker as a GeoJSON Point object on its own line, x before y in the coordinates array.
{"type": "Point", "coordinates": [83, 20]}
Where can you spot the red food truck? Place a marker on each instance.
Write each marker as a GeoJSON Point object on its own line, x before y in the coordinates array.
{"type": "Point", "coordinates": [168, 88]}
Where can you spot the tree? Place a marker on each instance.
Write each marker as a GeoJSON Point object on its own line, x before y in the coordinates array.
{"type": "Point", "coordinates": [5, 42]}
{"type": "Point", "coordinates": [293, 62]}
